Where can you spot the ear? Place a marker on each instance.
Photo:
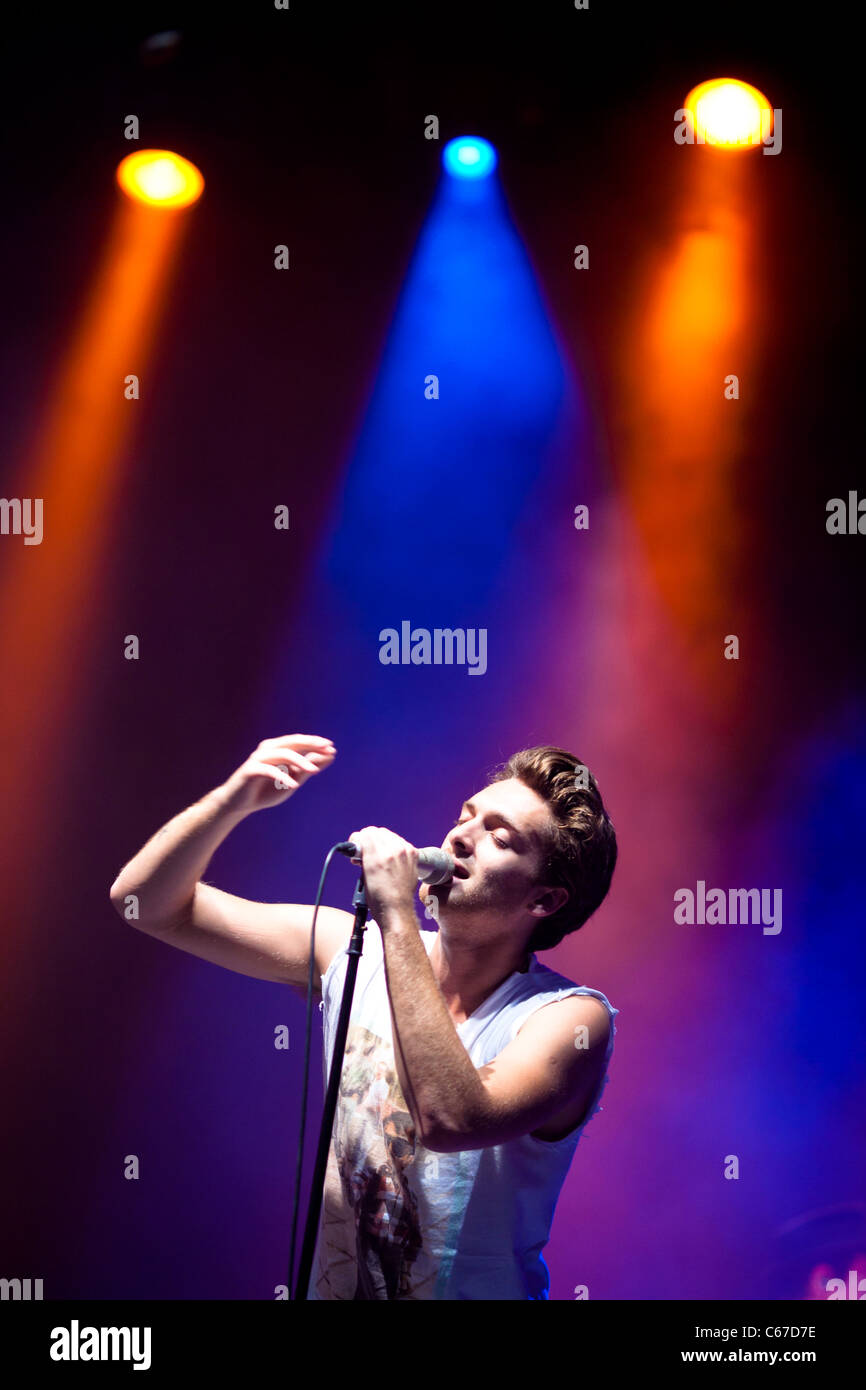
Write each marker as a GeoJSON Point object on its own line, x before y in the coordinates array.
{"type": "Point", "coordinates": [547, 901]}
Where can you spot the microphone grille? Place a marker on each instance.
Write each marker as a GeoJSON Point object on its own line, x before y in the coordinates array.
{"type": "Point", "coordinates": [435, 866]}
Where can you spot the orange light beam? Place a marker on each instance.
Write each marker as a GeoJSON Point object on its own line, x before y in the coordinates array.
{"type": "Point", "coordinates": [698, 322]}
{"type": "Point", "coordinates": [48, 591]}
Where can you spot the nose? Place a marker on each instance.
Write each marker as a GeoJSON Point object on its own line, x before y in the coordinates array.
{"type": "Point", "coordinates": [456, 845]}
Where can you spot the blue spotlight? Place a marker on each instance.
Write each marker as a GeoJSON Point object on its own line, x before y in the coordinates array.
{"type": "Point", "coordinates": [469, 157]}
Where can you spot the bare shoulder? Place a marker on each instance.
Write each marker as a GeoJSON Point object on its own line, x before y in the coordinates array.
{"type": "Point", "coordinates": [580, 1022]}
{"type": "Point", "coordinates": [572, 1036]}
{"type": "Point", "coordinates": [544, 1081]}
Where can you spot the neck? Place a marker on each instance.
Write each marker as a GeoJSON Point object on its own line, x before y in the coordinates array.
{"type": "Point", "coordinates": [468, 972]}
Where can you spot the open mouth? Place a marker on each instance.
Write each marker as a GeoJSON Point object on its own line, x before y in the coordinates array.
{"type": "Point", "coordinates": [460, 871]}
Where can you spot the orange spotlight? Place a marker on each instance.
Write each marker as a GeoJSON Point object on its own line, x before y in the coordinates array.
{"type": "Point", "coordinates": [729, 114]}
{"type": "Point", "coordinates": [692, 360]}
{"type": "Point", "coordinates": [54, 595]}
{"type": "Point", "coordinates": [160, 178]}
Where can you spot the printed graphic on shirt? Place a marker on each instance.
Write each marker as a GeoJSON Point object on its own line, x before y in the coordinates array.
{"type": "Point", "coordinates": [382, 1237]}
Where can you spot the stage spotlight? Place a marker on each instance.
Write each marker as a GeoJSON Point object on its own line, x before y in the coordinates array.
{"type": "Point", "coordinates": [160, 178]}
{"type": "Point", "coordinates": [729, 114]}
{"type": "Point", "coordinates": [469, 157]}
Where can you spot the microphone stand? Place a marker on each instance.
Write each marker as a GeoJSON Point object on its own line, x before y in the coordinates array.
{"type": "Point", "coordinates": [356, 946]}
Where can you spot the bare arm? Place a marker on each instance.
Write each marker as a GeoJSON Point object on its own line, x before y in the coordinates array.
{"type": "Point", "coordinates": [162, 876]}
{"type": "Point", "coordinates": [159, 891]}
{"type": "Point", "coordinates": [542, 1083]}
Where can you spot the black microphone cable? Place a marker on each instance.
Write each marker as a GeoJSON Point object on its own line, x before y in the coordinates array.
{"type": "Point", "coordinates": [305, 1088]}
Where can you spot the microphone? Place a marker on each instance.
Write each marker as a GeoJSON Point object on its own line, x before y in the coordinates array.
{"type": "Point", "coordinates": [435, 866]}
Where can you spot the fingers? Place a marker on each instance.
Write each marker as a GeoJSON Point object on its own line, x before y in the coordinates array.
{"type": "Point", "coordinates": [378, 837]}
{"type": "Point", "coordinates": [362, 838]}
{"type": "Point", "coordinates": [298, 760]}
{"type": "Point", "coordinates": [303, 753]}
{"type": "Point", "coordinates": [282, 780]}
{"type": "Point", "coordinates": [303, 743]}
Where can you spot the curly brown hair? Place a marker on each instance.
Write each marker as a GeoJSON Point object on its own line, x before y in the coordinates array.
{"type": "Point", "coordinates": [581, 850]}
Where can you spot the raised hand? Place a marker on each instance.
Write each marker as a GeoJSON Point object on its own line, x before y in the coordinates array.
{"type": "Point", "coordinates": [275, 770]}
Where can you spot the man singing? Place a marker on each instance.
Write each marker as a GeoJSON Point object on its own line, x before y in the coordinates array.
{"type": "Point", "coordinates": [464, 1091]}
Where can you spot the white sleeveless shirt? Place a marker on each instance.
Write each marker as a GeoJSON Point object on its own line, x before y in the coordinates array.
{"type": "Point", "coordinates": [402, 1222]}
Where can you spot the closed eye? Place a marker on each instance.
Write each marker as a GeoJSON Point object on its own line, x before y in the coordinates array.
{"type": "Point", "coordinates": [503, 844]}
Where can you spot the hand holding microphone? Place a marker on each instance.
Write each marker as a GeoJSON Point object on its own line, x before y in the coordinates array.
{"type": "Point", "coordinates": [432, 865]}
{"type": "Point", "coordinates": [392, 867]}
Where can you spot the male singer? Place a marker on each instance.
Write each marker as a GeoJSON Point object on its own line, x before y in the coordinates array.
{"type": "Point", "coordinates": [470, 1069]}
